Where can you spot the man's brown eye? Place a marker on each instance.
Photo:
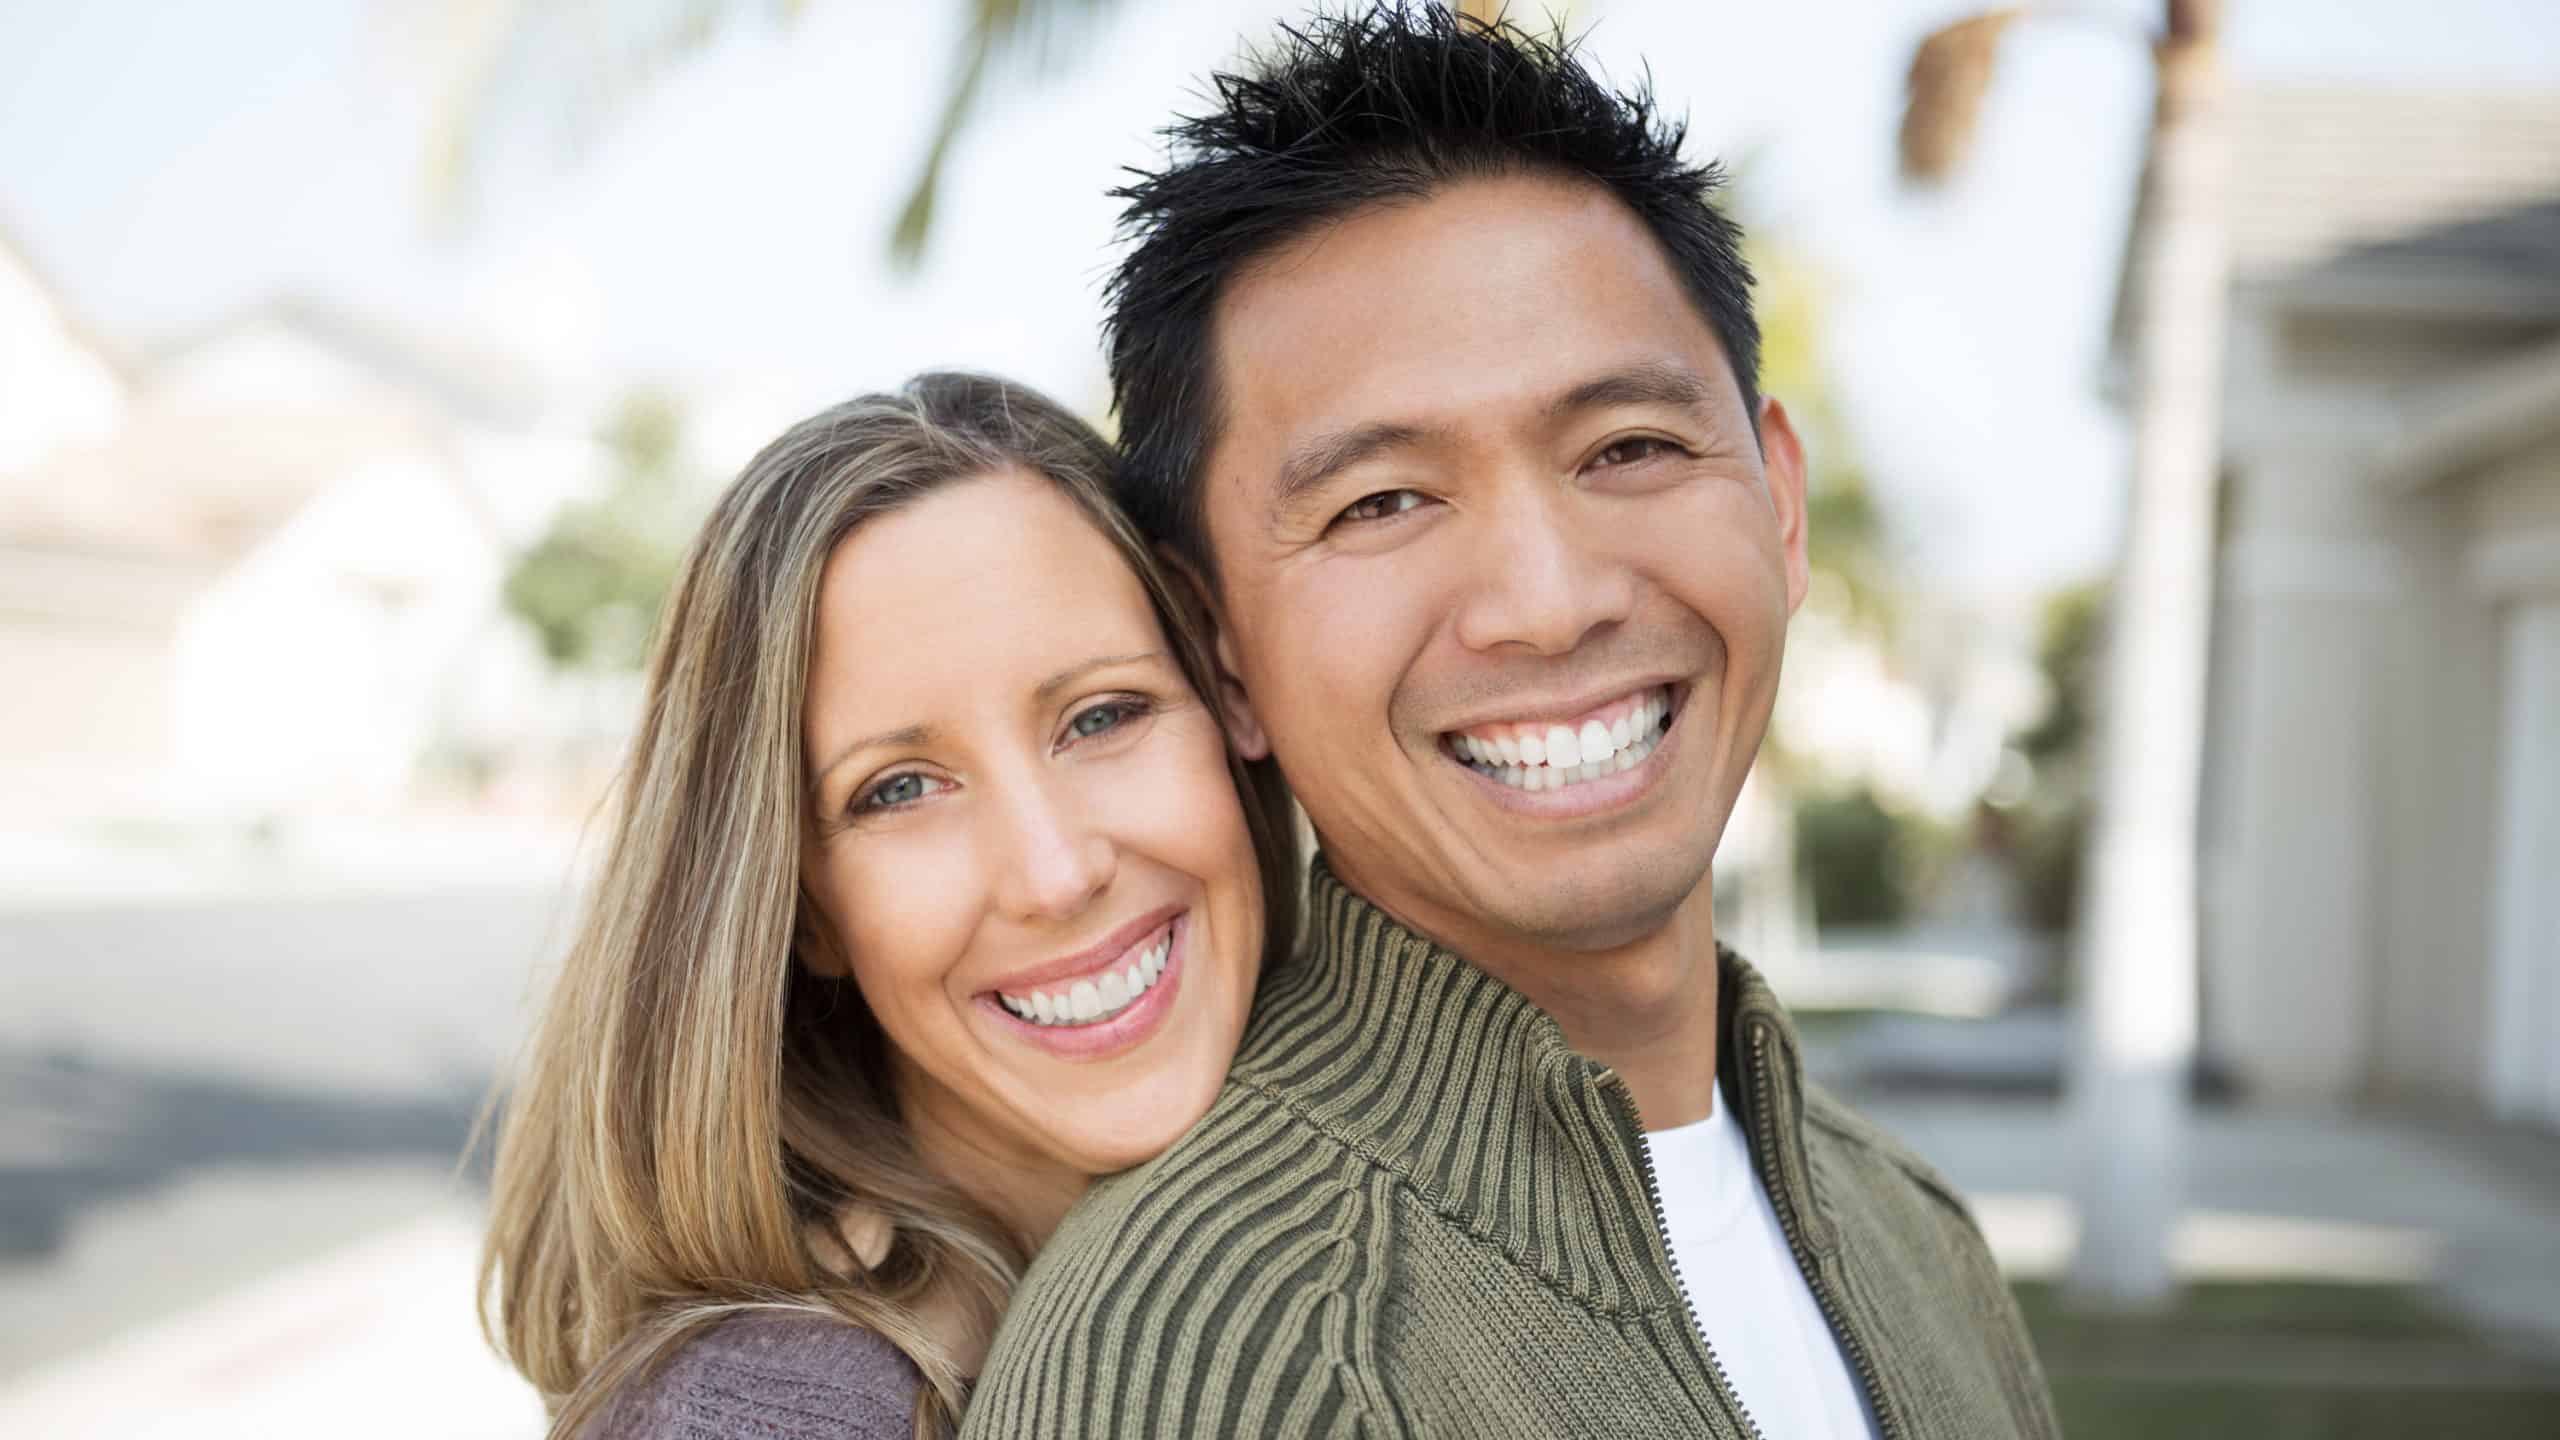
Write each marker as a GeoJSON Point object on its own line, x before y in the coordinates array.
{"type": "Point", "coordinates": [1627, 452]}
{"type": "Point", "coordinates": [1381, 505]}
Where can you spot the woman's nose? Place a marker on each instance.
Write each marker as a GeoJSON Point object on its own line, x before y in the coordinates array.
{"type": "Point", "coordinates": [1056, 861]}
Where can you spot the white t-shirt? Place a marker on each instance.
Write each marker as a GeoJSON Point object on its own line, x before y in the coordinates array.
{"type": "Point", "coordinates": [1751, 1302]}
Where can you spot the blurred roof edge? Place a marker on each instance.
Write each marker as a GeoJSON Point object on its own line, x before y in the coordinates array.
{"type": "Point", "coordinates": [74, 321]}
{"type": "Point", "coordinates": [469, 381]}
{"type": "Point", "coordinates": [180, 479]}
{"type": "Point", "coordinates": [2483, 416]}
{"type": "Point", "coordinates": [2366, 195]}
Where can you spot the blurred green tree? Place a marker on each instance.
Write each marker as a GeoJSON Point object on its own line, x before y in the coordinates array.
{"type": "Point", "coordinates": [1847, 544]}
{"type": "Point", "coordinates": [2053, 828]}
{"type": "Point", "coordinates": [591, 587]}
{"type": "Point", "coordinates": [1859, 859]}
{"type": "Point", "coordinates": [2067, 652]}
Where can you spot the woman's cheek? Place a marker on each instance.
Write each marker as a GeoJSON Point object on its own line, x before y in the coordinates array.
{"type": "Point", "coordinates": [1175, 792]}
{"type": "Point", "coordinates": [908, 907]}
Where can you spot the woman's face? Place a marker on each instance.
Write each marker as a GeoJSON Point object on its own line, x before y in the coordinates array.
{"type": "Point", "coordinates": [1025, 844]}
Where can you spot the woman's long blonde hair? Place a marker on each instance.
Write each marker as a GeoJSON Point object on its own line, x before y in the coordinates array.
{"type": "Point", "coordinates": [698, 1110]}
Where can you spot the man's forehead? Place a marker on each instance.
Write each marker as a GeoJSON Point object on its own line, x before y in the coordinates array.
{"type": "Point", "coordinates": [1500, 292]}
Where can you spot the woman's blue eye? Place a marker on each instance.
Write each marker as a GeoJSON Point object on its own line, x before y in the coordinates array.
{"type": "Point", "coordinates": [1095, 719]}
{"type": "Point", "coordinates": [895, 791]}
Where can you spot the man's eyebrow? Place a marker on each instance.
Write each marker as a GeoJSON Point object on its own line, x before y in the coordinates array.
{"type": "Point", "coordinates": [1047, 690]}
{"type": "Point", "coordinates": [1319, 459]}
{"type": "Point", "coordinates": [1322, 457]}
{"type": "Point", "coordinates": [1651, 382]}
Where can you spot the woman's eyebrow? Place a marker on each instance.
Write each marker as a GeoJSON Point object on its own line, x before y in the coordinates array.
{"type": "Point", "coordinates": [919, 735]}
{"type": "Point", "coordinates": [1047, 690]}
{"type": "Point", "coordinates": [907, 735]}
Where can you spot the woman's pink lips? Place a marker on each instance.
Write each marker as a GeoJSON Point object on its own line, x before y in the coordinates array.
{"type": "Point", "coordinates": [1121, 1032]}
{"type": "Point", "coordinates": [1110, 952]}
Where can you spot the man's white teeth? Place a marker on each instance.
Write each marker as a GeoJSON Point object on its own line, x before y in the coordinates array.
{"type": "Point", "coordinates": [1564, 748]}
{"type": "Point", "coordinates": [1090, 1002]}
{"type": "Point", "coordinates": [1550, 760]}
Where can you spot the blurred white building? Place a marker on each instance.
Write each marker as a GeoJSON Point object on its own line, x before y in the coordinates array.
{"type": "Point", "coordinates": [255, 573]}
{"type": "Point", "coordinates": [2382, 806]}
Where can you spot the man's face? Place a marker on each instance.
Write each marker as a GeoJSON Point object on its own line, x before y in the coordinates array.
{"type": "Point", "coordinates": [1485, 481]}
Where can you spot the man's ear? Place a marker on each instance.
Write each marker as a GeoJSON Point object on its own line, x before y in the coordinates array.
{"type": "Point", "coordinates": [1782, 461]}
{"type": "Point", "coordinates": [1244, 723]}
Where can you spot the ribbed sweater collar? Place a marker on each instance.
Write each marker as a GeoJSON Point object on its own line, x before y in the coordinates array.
{"type": "Point", "coordinates": [1433, 1069]}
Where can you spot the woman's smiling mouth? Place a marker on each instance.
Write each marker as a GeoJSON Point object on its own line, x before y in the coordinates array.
{"type": "Point", "coordinates": [1104, 1000]}
{"type": "Point", "coordinates": [1095, 998]}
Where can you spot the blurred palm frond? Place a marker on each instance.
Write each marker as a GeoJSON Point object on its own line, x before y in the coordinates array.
{"type": "Point", "coordinates": [586, 61]}
{"type": "Point", "coordinates": [1950, 74]}
{"type": "Point", "coordinates": [582, 62]}
{"type": "Point", "coordinates": [996, 28]}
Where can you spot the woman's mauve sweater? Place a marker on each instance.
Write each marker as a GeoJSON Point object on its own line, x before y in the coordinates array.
{"type": "Point", "coordinates": [778, 1375]}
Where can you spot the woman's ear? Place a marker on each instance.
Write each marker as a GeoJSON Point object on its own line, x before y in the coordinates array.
{"type": "Point", "coordinates": [1244, 724]}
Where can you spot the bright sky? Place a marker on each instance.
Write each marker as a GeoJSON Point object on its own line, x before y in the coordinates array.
{"type": "Point", "coordinates": [169, 163]}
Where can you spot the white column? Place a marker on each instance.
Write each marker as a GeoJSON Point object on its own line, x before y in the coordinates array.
{"type": "Point", "coordinates": [2523, 1079]}
{"type": "Point", "coordinates": [2524, 964]}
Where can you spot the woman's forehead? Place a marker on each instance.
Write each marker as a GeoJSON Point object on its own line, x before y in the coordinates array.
{"type": "Point", "coordinates": [978, 588]}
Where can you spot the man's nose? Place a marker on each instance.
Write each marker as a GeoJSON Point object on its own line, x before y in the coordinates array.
{"type": "Point", "coordinates": [1054, 860]}
{"type": "Point", "coordinates": [1547, 576]}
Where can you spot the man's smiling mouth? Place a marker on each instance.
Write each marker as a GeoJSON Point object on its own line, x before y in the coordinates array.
{"type": "Point", "coordinates": [1558, 754]}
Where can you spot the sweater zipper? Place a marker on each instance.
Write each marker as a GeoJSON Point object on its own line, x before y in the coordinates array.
{"type": "Point", "coordinates": [1722, 1383]}
{"type": "Point", "coordinates": [1764, 1142]}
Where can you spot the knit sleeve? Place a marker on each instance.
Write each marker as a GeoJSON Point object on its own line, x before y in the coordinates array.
{"type": "Point", "coordinates": [772, 1376]}
{"type": "Point", "coordinates": [1243, 1306]}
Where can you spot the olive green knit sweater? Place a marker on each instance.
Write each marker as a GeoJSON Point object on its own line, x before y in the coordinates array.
{"type": "Point", "coordinates": [1415, 1211]}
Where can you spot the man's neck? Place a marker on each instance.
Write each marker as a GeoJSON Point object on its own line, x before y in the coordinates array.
{"type": "Point", "coordinates": [1646, 1008]}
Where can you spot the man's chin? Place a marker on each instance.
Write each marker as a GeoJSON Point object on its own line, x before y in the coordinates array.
{"type": "Point", "coordinates": [1595, 906]}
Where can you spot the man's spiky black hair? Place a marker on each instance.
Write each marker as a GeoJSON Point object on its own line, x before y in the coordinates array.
{"type": "Point", "coordinates": [1391, 102]}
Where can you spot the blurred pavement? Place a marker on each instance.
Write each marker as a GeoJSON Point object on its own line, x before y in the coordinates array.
{"type": "Point", "coordinates": [2472, 1213]}
{"type": "Point", "coordinates": [373, 1338]}
{"type": "Point", "coordinates": [231, 1116]}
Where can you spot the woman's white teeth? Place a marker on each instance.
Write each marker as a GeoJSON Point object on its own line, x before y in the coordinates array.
{"type": "Point", "coordinates": [1091, 1001]}
{"type": "Point", "coordinates": [1531, 759]}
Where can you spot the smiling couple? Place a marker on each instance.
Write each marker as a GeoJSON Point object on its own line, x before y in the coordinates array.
{"type": "Point", "coordinates": [956, 1038]}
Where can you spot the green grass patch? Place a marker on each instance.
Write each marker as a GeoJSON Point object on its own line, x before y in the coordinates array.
{"type": "Point", "coordinates": [2272, 1361]}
